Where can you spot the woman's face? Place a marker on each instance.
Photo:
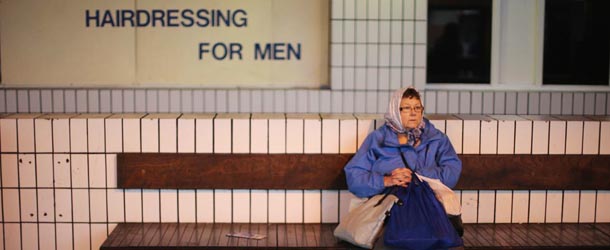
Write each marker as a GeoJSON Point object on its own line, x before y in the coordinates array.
{"type": "Point", "coordinates": [412, 112]}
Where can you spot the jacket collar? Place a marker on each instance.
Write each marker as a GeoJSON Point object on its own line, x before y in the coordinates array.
{"type": "Point", "coordinates": [430, 134]}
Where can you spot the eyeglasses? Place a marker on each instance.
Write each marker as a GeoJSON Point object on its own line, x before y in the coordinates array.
{"type": "Point", "coordinates": [406, 109]}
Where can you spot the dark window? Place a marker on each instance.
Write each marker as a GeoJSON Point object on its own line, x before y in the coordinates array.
{"type": "Point", "coordinates": [459, 41]}
{"type": "Point", "coordinates": [576, 42]}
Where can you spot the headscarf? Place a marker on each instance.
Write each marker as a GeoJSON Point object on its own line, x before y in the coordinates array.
{"type": "Point", "coordinates": [392, 117]}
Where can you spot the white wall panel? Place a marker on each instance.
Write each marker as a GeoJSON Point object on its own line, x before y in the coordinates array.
{"type": "Point", "coordinates": [591, 138]}
{"type": "Point", "coordinates": [169, 205]}
{"type": "Point", "coordinates": [312, 206]}
{"type": "Point", "coordinates": [116, 207]}
{"type": "Point", "coordinates": [10, 172]}
{"type": "Point", "coordinates": [78, 142]}
{"type": "Point", "coordinates": [12, 231]}
{"type": "Point", "coordinates": [489, 137]}
{"type": "Point", "coordinates": [313, 136]}
{"type": "Point", "coordinates": [8, 133]}
{"type": "Point", "coordinates": [44, 135]}
{"type": "Point", "coordinates": [168, 135]}
{"type": "Point", "coordinates": [471, 133]}
{"type": "Point", "coordinates": [587, 206]}
{"type": "Point", "coordinates": [186, 135]}
{"type": "Point", "coordinates": [10, 205]}
{"type": "Point", "coordinates": [330, 136]}
{"type": "Point", "coordinates": [223, 205]}
{"type": "Point", "coordinates": [151, 211]}
{"type": "Point", "coordinates": [537, 206]}
{"type": "Point", "coordinates": [470, 202]}
{"type": "Point", "coordinates": [259, 208]}
{"type": "Point", "coordinates": [80, 170]}
{"type": "Point", "coordinates": [571, 201]}
{"type": "Point", "coordinates": [503, 206]}
{"type": "Point", "coordinates": [294, 135]}
{"type": "Point", "coordinates": [259, 142]}
{"type": "Point", "coordinates": [27, 170]}
{"type": "Point", "coordinates": [520, 208]}
{"type": "Point", "coordinates": [348, 136]}
{"type": "Point", "coordinates": [114, 135]}
{"type": "Point", "coordinates": [365, 127]}
{"type": "Point", "coordinates": [98, 235]}
{"type": "Point", "coordinates": [540, 137]}
{"type": "Point", "coordinates": [132, 135]}
{"type": "Point", "coordinates": [330, 206]}
{"type": "Point", "coordinates": [150, 135]}
{"type": "Point", "coordinates": [64, 236]}
{"type": "Point", "coordinates": [454, 132]}
{"type": "Point", "coordinates": [523, 137]}
{"type": "Point", "coordinates": [47, 236]}
{"type": "Point", "coordinates": [186, 206]}
{"type": "Point", "coordinates": [294, 206]}
{"type": "Point", "coordinates": [97, 198]}
{"type": "Point", "coordinates": [82, 237]}
{"type": "Point", "coordinates": [574, 137]}
{"type": "Point", "coordinates": [44, 168]}
{"type": "Point", "coordinates": [97, 171]}
{"type": "Point", "coordinates": [205, 205]}
{"type": "Point", "coordinates": [557, 140]}
{"type": "Point", "coordinates": [554, 208]}
{"type": "Point", "coordinates": [95, 135]}
{"type": "Point", "coordinates": [63, 205]}
{"type": "Point", "coordinates": [61, 135]}
{"type": "Point", "coordinates": [222, 135]}
{"type": "Point", "coordinates": [604, 142]}
{"type": "Point", "coordinates": [25, 135]}
{"type": "Point", "coordinates": [80, 210]}
{"type": "Point", "coordinates": [277, 208]}
{"type": "Point", "coordinates": [204, 135]}
{"type": "Point", "coordinates": [603, 206]}
{"type": "Point", "coordinates": [277, 139]}
{"type": "Point", "coordinates": [506, 137]}
{"type": "Point", "coordinates": [241, 136]}
{"type": "Point", "coordinates": [241, 206]}
{"type": "Point", "coordinates": [486, 206]}
{"type": "Point", "coordinates": [46, 203]}
{"type": "Point", "coordinates": [29, 236]}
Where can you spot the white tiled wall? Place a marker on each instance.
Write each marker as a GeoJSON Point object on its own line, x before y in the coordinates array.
{"type": "Point", "coordinates": [59, 171]}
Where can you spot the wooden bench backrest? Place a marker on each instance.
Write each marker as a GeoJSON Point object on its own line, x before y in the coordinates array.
{"type": "Point", "coordinates": [325, 171]}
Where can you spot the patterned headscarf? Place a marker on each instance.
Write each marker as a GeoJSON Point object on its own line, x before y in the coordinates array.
{"type": "Point", "coordinates": [392, 117]}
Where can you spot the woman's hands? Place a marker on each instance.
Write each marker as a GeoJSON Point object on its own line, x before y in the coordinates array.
{"type": "Point", "coordinates": [398, 177]}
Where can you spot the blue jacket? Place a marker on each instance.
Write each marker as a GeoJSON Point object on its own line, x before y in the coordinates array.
{"type": "Point", "coordinates": [379, 155]}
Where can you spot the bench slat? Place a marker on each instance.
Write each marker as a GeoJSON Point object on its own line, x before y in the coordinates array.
{"type": "Point", "coordinates": [325, 171]}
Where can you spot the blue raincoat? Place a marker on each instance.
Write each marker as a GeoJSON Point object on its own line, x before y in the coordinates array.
{"type": "Point", "coordinates": [378, 155]}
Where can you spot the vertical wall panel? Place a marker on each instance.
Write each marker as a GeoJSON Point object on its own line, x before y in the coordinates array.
{"type": "Point", "coordinates": [600, 103]}
{"type": "Point", "coordinates": [222, 135]}
{"type": "Point", "coordinates": [330, 206]}
{"type": "Point", "coordinates": [277, 211]}
{"type": "Point", "coordinates": [241, 135]}
{"type": "Point", "coordinates": [163, 101]}
{"type": "Point", "coordinates": [294, 135]}
{"type": "Point", "coordinates": [522, 103]}
{"type": "Point", "coordinates": [80, 170]}
{"type": "Point", "coordinates": [556, 100]}
{"type": "Point", "coordinates": [470, 201]}
{"type": "Point", "coordinates": [499, 102]}
{"type": "Point", "coordinates": [116, 208]}
{"type": "Point", "coordinates": [98, 205]}
{"type": "Point", "coordinates": [603, 203]}
{"type": "Point", "coordinates": [312, 135]}
{"type": "Point", "coordinates": [114, 135]}
{"type": "Point", "coordinates": [523, 137]}
{"type": "Point", "coordinates": [241, 206]}
{"type": "Point", "coordinates": [28, 205]}
{"type": "Point", "coordinates": [25, 134]}
{"type": "Point", "coordinates": [169, 205]}
{"type": "Point", "coordinates": [520, 208]}
{"type": "Point", "coordinates": [168, 134]}
{"type": "Point", "coordinates": [62, 169]}
{"type": "Point", "coordinates": [46, 99]}
{"type": "Point", "coordinates": [210, 101]}
{"type": "Point", "coordinates": [430, 102]}
{"type": "Point", "coordinates": [476, 106]}
{"type": "Point", "coordinates": [204, 134]}
{"type": "Point", "coordinates": [472, 133]}
{"type": "Point", "coordinates": [82, 236]}
{"type": "Point", "coordinates": [489, 136]}
{"type": "Point", "coordinates": [10, 205]}
{"type": "Point", "coordinates": [540, 137]}
{"type": "Point", "coordinates": [78, 142]}
{"type": "Point", "coordinates": [330, 135]}
{"type": "Point", "coordinates": [506, 137]}
{"type": "Point", "coordinates": [97, 170]}
{"type": "Point", "coordinates": [44, 170]}
{"type": "Point", "coordinates": [454, 102]}
{"type": "Point", "coordinates": [8, 133]}
{"type": "Point", "coordinates": [454, 132]}
{"type": "Point", "coordinates": [93, 101]}
{"type": "Point", "coordinates": [186, 135]}
{"type": "Point", "coordinates": [132, 134]}
{"type": "Point", "coordinates": [140, 100]}
{"type": "Point", "coordinates": [503, 206]}
{"type": "Point", "coordinates": [259, 142]}
{"type": "Point", "coordinates": [63, 206]}
{"type": "Point", "coordinates": [311, 206]}
{"type": "Point", "coordinates": [223, 206]}
{"type": "Point", "coordinates": [205, 205]}
{"type": "Point", "coordinates": [133, 205]}
{"type": "Point", "coordinates": [294, 206]}
{"type": "Point", "coordinates": [488, 102]}
{"type": "Point", "coordinates": [567, 104]}
{"type": "Point", "coordinates": [80, 212]}
{"type": "Point", "coordinates": [34, 98]}
{"type": "Point", "coordinates": [554, 208]}
{"type": "Point", "coordinates": [118, 102]}
{"type": "Point", "coordinates": [441, 102]}
{"type": "Point", "coordinates": [198, 101]}
{"type": "Point", "coordinates": [464, 102]}
{"type": "Point", "coordinates": [604, 142]}
{"type": "Point", "coordinates": [47, 236]}
{"type": "Point", "coordinates": [574, 137]}
{"type": "Point", "coordinates": [64, 236]}
{"type": "Point", "coordinates": [277, 139]}
{"type": "Point", "coordinates": [111, 170]}
{"type": "Point", "coordinates": [557, 140]}
{"type": "Point", "coordinates": [537, 206]}
{"type": "Point", "coordinates": [98, 235]}
{"type": "Point", "coordinates": [29, 234]}
{"type": "Point", "coordinates": [587, 206]}
{"type": "Point", "coordinates": [27, 170]}
{"type": "Point", "coordinates": [95, 135]}
{"type": "Point", "coordinates": [545, 103]}
{"type": "Point", "coordinates": [58, 101]}
{"type": "Point", "coordinates": [511, 103]}
{"type": "Point", "coordinates": [10, 172]}
{"type": "Point", "coordinates": [12, 231]}
{"type": "Point", "coordinates": [44, 135]}
{"type": "Point", "coordinates": [591, 137]}
{"type": "Point", "coordinates": [486, 206]}
{"type": "Point", "coordinates": [534, 103]}
{"type": "Point", "coordinates": [105, 101]}
{"type": "Point", "coordinates": [571, 200]}
{"type": "Point", "coordinates": [151, 204]}
{"type": "Point", "coordinates": [258, 210]}
{"type": "Point", "coordinates": [366, 125]}
{"type": "Point", "coordinates": [348, 136]}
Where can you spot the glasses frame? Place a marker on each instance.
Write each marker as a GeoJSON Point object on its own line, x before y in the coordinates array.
{"type": "Point", "coordinates": [416, 109]}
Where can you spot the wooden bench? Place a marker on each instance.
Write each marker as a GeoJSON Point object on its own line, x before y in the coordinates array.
{"type": "Point", "coordinates": [325, 172]}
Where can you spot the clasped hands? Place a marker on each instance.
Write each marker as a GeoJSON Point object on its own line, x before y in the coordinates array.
{"type": "Point", "coordinates": [398, 177]}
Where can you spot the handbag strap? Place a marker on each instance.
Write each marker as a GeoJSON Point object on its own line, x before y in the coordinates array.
{"type": "Point", "coordinates": [409, 167]}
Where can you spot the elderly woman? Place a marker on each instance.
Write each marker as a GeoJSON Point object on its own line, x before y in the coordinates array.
{"type": "Point", "coordinates": [428, 151]}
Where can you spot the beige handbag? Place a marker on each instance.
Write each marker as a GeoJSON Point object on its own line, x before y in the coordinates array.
{"type": "Point", "coordinates": [363, 224]}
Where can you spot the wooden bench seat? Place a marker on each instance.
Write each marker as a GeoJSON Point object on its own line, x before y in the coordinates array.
{"type": "Point", "coordinates": [325, 172]}
{"type": "Point", "coordinates": [319, 236]}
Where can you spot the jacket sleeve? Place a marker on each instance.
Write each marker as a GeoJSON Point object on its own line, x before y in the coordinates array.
{"type": "Point", "coordinates": [448, 165]}
{"type": "Point", "coordinates": [361, 180]}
